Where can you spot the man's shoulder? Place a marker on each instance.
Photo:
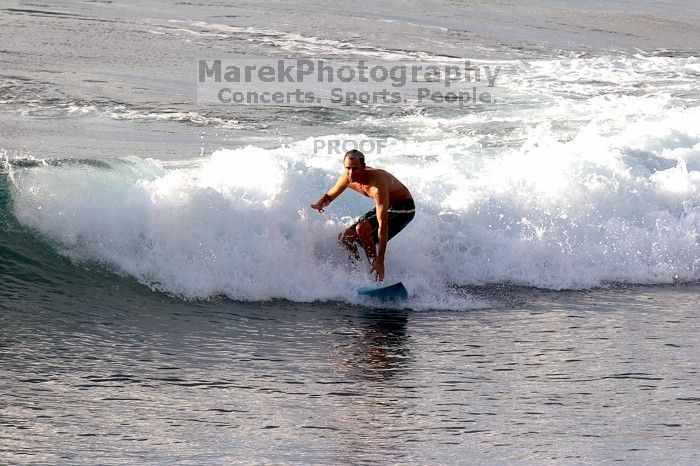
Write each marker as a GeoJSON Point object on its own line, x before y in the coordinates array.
{"type": "Point", "coordinates": [379, 174]}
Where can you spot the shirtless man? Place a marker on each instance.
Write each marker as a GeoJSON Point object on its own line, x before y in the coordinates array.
{"type": "Point", "coordinates": [394, 208]}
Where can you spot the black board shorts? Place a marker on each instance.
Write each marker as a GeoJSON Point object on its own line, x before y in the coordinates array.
{"type": "Point", "coordinates": [400, 214]}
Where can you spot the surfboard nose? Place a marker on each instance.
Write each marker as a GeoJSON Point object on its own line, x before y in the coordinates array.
{"type": "Point", "coordinates": [395, 291]}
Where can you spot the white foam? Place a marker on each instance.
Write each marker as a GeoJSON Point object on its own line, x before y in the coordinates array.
{"type": "Point", "coordinates": [583, 189]}
{"type": "Point", "coordinates": [550, 214]}
{"type": "Point", "coordinates": [289, 41]}
{"type": "Point", "coordinates": [121, 112]}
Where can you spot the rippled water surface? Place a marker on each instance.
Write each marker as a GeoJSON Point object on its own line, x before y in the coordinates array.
{"type": "Point", "coordinates": [572, 377]}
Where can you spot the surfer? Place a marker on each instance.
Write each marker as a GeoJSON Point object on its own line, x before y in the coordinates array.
{"type": "Point", "coordinates": [394, 209]}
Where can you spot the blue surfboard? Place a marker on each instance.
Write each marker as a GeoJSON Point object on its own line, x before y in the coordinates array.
{"type": "Point", "coordinates": [395, 291]}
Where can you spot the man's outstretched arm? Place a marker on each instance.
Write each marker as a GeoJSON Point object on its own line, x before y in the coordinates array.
{"type": "Point", "coordinates": [331, 194]}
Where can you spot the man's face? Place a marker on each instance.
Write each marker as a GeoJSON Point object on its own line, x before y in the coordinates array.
{"type": "Point", "coordinates": [354, 168]}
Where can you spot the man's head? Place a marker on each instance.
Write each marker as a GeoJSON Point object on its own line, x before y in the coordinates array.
{"type": "Point", "coordinates": [355, 154]}
{"type": "Point", "coordinates": [354, 162]}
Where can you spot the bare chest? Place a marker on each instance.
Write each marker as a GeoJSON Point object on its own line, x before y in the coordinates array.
{"type": "Point", "coordinates": [362, 188]}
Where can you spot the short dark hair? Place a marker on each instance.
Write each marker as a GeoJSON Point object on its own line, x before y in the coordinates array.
{"type": "Point", "coordinates": [355, 154]}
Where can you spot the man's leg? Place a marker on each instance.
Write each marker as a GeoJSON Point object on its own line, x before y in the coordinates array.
{"type": "Point", "coordinates": [348, 239]}
{"type": "Point", "coordinates": [364, 233]}
{"type": "Point", "coordinates": [360, 233]}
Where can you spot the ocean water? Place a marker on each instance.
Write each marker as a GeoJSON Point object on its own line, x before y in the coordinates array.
{"type": "Point", "coordinates": [168, 296]}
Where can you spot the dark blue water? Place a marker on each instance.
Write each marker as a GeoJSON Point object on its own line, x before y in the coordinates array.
{"type": "Point", "coordinates": [111, 373]}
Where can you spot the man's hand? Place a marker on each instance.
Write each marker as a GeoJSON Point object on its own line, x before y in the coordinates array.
{"type": "Point", "coordinates": [318, 206]}
{"type": "Point", "coordinates": [378, 269]}
{"type": "Point", "coordinates": [321, 203]}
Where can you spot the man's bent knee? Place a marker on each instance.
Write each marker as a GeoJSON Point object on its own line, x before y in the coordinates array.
{"type": "Point", "coordinates": [364, 230]}
{"type": "Point", "coordinates": [348, 236]}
